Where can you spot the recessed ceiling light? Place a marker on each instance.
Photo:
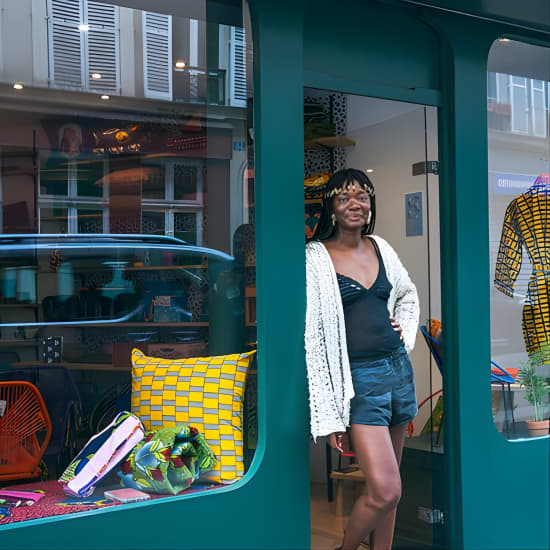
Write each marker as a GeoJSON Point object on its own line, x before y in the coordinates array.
{"type": "Point", "coordinates": [180, 64]}
{"type": "Point", "coordinates": [105, 96]}
{"type": "Point", "coordinates": [96, 76]}
{"type": "Point", "coordinates": [370, 170]}
{"type": "Point", "coordinates": [18, 86]}
{"type": "Point", "coordinates": [504, 40]}
{"type": "Point", "coordinates": [83, 27]}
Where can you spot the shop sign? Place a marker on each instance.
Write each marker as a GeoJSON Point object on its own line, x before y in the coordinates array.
{"type": "Point", "coordinates": [504, 183]}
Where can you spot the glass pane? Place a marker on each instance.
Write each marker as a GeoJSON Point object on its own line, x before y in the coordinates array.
{"type": "Point", "coordinates": [89, 172]}
{"type": "Point", "coordinates": [389, 142]}
{"type": "Point", "coordinates": [153, 223]}
{"type": "Point", "coordinates": [90, 221]}
{"type": "Point", "coordinates": [54, 174]}
{"type": "Point", "coordinates": [185, 182]}
{"type": "Point", "coordinates": [519, 216]}
{"type": "Point", "coordinates": [109, 244]}
{"type": "Point", "coordinates": [54, 220]}
{"type": "Point", "coordinates": [185, 227]}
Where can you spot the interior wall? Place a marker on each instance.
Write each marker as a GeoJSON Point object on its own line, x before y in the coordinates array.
{"type": "Point", "coordinates": [390, 148]}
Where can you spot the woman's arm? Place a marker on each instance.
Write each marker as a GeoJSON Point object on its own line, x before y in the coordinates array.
{"type": "Point", "coordinates": [406, 309]}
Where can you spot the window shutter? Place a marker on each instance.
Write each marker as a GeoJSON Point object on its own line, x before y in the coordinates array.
{"type": "Point", "coordinates": [66, 55]}
{"type": "Point", "coordinates": [157, 55]}
{"type": "Point", "coordinates": [237, 68]}
{"type": "Point", "coordinates": [103, 47]}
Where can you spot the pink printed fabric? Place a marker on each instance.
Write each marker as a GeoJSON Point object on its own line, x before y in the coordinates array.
{"type": "Point", "coordinates": [53, 495]}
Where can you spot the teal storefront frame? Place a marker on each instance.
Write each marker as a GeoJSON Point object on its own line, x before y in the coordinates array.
{"type": "Point", "coordinates": [269, 509]}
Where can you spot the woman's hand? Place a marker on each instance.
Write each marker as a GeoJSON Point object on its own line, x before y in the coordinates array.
{"type": "Point", "coordinates": [397, 327]}
{"type": "Point", "coordinates": [339, 441]}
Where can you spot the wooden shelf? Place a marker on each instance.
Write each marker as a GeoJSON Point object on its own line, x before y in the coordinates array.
{"type": "Point", "coordinates": [330, 142]}
{"type": "Point", "coordinates": [21, 343]}
{"type": "Point", "coordinates": [20, 306]}
{"type": "Point", "coordinates": [76, 366]}
{"type": "Point", "coordinates": [165, 267]}
{"type": "Point", "coordinates": [150, 324]}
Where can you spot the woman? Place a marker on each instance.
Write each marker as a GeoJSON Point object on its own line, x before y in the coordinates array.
{"type": "Point", "coordinates": [361, 320]}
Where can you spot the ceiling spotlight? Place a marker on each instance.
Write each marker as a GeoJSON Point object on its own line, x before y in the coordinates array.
{"type": "Point", "coordinates": [18, 86]}
{"type": "Point", "coordinates": [105, 96]}
{"type": "Point", "coordinates": [370, 170]}
{"type": "Point", "coordinates": [180, 64]}
{"type": "Point", "coordinates": [83, 27]}
{"type": "Point", "coordinates": [504, 40]}
{"type": "Point", "coordinates": [96, 76]}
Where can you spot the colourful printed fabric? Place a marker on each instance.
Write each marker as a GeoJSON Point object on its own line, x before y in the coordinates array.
{"type": "Point", "coordinates": [167, 461]}
{"type": "Point", "coordinates": [101, 455]}
{"type": "Point", "coordinates": [526, 224]}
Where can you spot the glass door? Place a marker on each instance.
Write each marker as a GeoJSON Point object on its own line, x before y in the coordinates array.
{"type": "Point", "coordinates": [395, 145]}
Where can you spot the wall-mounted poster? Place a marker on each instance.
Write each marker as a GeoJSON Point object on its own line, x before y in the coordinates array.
{"type": "Point", "coordinates": [413, 214]}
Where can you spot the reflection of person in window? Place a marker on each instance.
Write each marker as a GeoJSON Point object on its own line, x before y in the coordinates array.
{"type": "Point", "coordinates": [361, 320]}
{"type": "Point", "coordinates": [70, 140]}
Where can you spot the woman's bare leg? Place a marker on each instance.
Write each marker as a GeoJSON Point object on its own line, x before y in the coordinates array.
{"type": "Point", "coordinates": [376, 456]}
{"type": "Point", "coordinates": [382, 536]}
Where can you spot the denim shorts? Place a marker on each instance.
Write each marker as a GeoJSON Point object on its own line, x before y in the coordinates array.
{"type": "Point", "coordinates": [384, 391]}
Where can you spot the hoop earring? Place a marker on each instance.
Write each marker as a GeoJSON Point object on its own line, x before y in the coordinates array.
{"type": "Point", "coordinates": [369, 217]}
{"type": "Point", "coordinates": [333, 218]}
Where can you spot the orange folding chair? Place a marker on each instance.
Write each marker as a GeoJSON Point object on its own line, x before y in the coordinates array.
{"type": "Point", "coordinates": [25, 430]}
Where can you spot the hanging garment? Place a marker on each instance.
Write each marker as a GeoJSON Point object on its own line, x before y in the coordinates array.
{"type": "Point", "coordinates": [527, 224]}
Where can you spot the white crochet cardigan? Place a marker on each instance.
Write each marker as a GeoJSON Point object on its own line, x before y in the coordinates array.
{"type": "Point", "coordinates": [329, 375]}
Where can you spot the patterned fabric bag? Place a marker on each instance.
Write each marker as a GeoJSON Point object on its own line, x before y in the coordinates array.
{"type": "Point", "coordinates": [102, 454]}
{"type": "Point", "coordinates": [167, 461]}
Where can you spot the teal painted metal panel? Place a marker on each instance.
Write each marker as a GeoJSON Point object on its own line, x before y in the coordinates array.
{"type": "Point", "coordinates": [534, 15]}
{"type": "Point", "coordinates": [370, 44]}
{"type": "Point", "coordinates": [270, 507]}
{"type": "Point", "coordinates": [501, 496]}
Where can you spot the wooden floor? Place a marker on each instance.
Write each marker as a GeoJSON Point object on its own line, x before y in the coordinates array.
{"type": "Point", "coordinates": [326, 528]}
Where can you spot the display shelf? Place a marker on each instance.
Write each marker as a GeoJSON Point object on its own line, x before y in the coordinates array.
{"type": "Point", "coordinates": [83, 324]}
{"type": "Point", "coordinates": [165, 267]}
{"type": "Point", "coordinates": [22, 343]}
{"type": "Point", "coordinates": [76, 366]}
{"type": "Point", "coordinates": [19, 306]}
{"type": "Point", "coordinates": [329, 142]}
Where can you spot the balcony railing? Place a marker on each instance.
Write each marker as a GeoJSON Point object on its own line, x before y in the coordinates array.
{"type": "Point", "coordinates": [199, 85]}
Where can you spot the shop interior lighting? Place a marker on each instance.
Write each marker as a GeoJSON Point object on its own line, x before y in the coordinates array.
{"type": "Point", "coordinates": [370, 170]}
{"type": "Point", "coordinates": [18, 86]}
{"type": "Point", "coordinates": [105, 97]}
{"type": "Point", "coordinates": [96, 76]}
{"type": "Point", "coordinates": [180, 64]}
{"type": "Point", "coordinates": [83, 27]}
{"type": "Point", "coordinates": [504, 40]}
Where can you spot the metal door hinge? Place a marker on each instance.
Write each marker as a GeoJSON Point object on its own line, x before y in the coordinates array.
{"type": "Point", "coordinates": [425, 167]}
{"type": "Point", "coordinates": [430, 515]}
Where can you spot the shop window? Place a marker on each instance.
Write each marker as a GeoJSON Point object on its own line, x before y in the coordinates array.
{"type": "Point", "coordinates": [127, 262]}
{"type": "Point", "coordinates": [519, 216]}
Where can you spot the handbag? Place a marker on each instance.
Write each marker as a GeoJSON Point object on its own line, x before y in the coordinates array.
{"type": "Point", "coordinates": [101, 455]}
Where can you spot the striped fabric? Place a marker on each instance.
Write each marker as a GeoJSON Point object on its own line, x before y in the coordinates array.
{"type": "Point", "coordinates": [205, 392]}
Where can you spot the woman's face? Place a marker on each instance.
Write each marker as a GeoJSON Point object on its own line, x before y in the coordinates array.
{"type": "Point", "coordinates": [351, 206]}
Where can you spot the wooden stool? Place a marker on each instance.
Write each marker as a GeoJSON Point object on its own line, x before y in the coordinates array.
{"type": "Point", "coordinates": [356, 477]}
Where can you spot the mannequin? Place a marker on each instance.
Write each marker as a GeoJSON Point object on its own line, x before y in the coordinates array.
{"type": "Point", "coordinates": [527, 225]}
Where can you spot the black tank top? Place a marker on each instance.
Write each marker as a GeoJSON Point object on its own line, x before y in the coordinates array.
{"type": "Point", "coordinates": [369, 332]}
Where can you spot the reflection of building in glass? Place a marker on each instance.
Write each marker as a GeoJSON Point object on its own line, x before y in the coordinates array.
{"type": "Point", "coordinates": [81, 170]}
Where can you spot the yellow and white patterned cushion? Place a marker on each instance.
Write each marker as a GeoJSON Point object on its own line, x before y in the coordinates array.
{"type": "Point", "coordinates": [204, 392]}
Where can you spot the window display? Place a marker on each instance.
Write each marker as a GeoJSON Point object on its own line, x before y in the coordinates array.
{"type": "Point", "coordinates": [519, 200]}
{"type": "Point", "coordinates": [127, 261]}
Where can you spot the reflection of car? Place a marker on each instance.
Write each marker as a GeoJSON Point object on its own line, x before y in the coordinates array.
{"type": "Point", "coordinates": [107, 278]}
